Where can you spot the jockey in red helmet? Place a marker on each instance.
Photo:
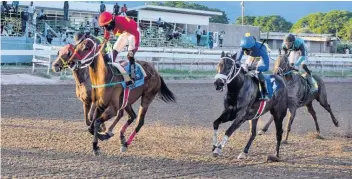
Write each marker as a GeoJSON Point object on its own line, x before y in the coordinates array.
{"type": "Point", "coordinates": [127, 30]}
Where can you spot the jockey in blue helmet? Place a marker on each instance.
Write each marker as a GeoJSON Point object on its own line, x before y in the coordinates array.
{"type": "Point", "coordinates": [254, 49]}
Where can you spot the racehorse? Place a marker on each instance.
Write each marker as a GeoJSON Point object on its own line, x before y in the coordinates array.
{"type": "Point", "coordinates": [299, 95]}
{"type": "Point", "coordinates": [110, 93]}
{"type": "Point", "coordinates": [83, 84]}
{"type": "Point", "coordinates": [241, 103]}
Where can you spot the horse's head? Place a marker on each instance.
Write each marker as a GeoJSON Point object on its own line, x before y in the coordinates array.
{"type": "Point", "coordinates": [63, 56]}
{"type": "Point", "coordinates": [227, 70]}
{"type": "Point", "coordinates": [84, 52]}
{"type": "Point", "coordinates": [282, 65]}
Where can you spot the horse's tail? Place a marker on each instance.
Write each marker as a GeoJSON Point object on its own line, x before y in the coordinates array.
{"type": "Point", "coordinates": [165, 94]}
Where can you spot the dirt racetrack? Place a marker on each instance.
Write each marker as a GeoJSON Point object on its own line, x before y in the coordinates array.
{"type": "Point", "coordinates": [43, 135]}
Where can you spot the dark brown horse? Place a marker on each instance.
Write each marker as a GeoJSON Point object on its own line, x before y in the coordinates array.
{"type": "Point", "coordinates": [108, 92]}
{"type": "Point", "coordinates": [299, 95]}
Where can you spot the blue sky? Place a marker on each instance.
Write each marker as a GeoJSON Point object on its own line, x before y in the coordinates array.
{"type": "Point", "coordinates": [290, 10]}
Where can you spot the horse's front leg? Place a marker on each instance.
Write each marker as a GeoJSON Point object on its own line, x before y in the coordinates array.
{"type": "Point", "coordinates": [106, 115]}
{"type": "Point", "coordinates": [235, 125]}
{"type": "Point", "coordinates": [223, 118]}
{"type": "Point", "coordinates": [86, 112]}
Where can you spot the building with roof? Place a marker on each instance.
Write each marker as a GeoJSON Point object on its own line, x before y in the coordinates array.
{"type": "Point", "coordinates": [316, 43]}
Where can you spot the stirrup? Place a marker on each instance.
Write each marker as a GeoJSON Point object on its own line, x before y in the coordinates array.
{"type": "Point", "coordinates": [129, 83]}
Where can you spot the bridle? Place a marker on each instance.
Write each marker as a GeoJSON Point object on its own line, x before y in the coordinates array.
{"type": "Point", "coordinates": [234, 71]}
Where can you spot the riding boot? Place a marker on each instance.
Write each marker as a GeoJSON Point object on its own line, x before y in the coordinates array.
{"type": "Point", "coordinates": [114, 55]}
{"type": "Point", "coordinates": [312, 82]}
{"type": "Point", "coordinates": [130, 57]}
{"type": "Point", "coordinates": [264, 91]}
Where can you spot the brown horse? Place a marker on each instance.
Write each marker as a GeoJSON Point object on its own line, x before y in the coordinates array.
{"type": "Point", "coordinates": [108, 92]}
{"type": "Point", "coordinates": [83, 85]}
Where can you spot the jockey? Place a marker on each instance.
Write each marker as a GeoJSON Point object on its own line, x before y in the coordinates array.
{"type": "Point", "coordinates": [127, 30]}
{"type": "Point", "coordinates": [298, 53]}
{"type": "Point", "coordinates": [254, 49]}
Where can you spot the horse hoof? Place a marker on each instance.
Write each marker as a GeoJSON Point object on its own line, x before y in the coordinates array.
{"type": "Point", "coordinates": [242, 156]}
{"type": "Point", "coordinates": [96, 152]}
{"type": "Point", "coordinates": [261, 132]}
{"type": "Point", "coordinates": [216, 152]}
{"type": "Point", "coordinates": [103, 136]}
{"type": "Point", "coordinates": [109, 133]}
{"type": "Point", "coordinates": [272, 158]}
{"type": "Point", "coordinates": [123, 149]}
{"type": "Point", "coordinates": [284, 142]}
{"type": "Point", "coordinates": [214, 147]}
{"type": "Point", "coordinates": [90, 130]}
{"type": "Point", "coordinates": [318, 137]}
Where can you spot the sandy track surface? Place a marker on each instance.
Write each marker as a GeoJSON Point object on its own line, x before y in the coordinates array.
{"type": "Point", "coordinates": [43, 135]}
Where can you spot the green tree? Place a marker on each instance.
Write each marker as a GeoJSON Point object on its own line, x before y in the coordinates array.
{"type": "Point", "coordinates": [346, 31]}
{"type": "Point", "coordinates": [330, 22]}
{"type": "Point", "coordinates": [267, 23]}
{"type": "Point", "coordinates": [182, 4]}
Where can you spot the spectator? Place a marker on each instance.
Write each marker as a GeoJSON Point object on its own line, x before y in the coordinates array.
{"type": "Point", "coordinates": [41, 15]}
{"type": "Point", "coordinates": [116, 9]}
{"type": "Point", "coordinates": [158, 22]}
{"type": "Point", "coordinates": [24, 19]}
{"type": "Point", "coordinates": [124, 10]}
{"type": "Point", "coordinates": [49, 37]}
{"type": "Point", "coordinates": [31, 11]}
{"type": "Point", "coordinates": [199, 35]}
{"type": "Point", "coordinates": [15, 7]}
{"type": "Point", "coordinates": [63, 37]}
{"type": "Point", "coordinates": [66, 6]}
{"type": "Point", "coordinates": [102, 7]}
{"type": "Point", "coordinates": [87, 28]}
{"type": "Point", "coordinates": [95, 26]}
{"type": "Point", "coordinates": [5, 7]}
{"type": "Point", "coordinates": [211, 40]}
{"type": "Point", "coordinates": [221, 38]}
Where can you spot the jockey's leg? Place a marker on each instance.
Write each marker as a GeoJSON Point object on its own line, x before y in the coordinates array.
{"type": "Point", "coordinates": [130, 55]}
{"type": "Point", "coordinates": [260, 69]}
{"type": "Point", "coordinates": [119, 45]}
{"type": "Point", "coordinates": [312, 82]}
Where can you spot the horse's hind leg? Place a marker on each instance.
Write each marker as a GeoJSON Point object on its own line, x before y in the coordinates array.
{"type": "Point", "coordinates": [322, 98]}
{"type": "Point", "coordinates": [266, 127]}
{"type": "Point", "coordinates": [312, 112]}
{"type": "Point", "coordinates": [146, 100]}
{"type": "Point", "coordinates": [131, 117]}
{"type": "Point", "coordinates": [253, 133]}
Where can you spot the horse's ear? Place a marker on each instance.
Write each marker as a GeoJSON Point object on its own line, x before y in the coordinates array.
{"type": "Point", "coordinates": [234, 56]}
{"type": "Point", "coordinates": [222, 54]}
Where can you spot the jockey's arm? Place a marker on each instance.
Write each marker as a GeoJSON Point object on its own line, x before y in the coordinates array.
{"type": "Point", "coordinates": [265, 58]}
{"type": "Point", "coordinates": [303, 56]}
{"type": "Point", "coordinates": [106, 35]}
{"type": "Point", "coordinates": [239, 55]}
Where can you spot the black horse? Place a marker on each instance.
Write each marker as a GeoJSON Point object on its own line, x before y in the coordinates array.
{"type": "Point", "coordinates": [241, 103]}
{"type": "Point", "coordinates": [299, 95]}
